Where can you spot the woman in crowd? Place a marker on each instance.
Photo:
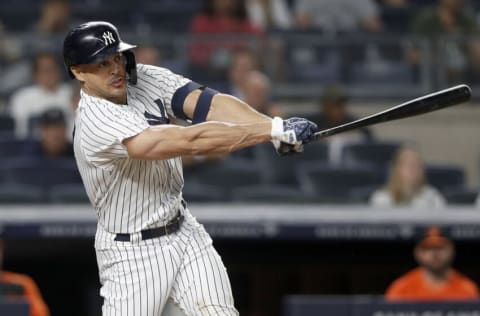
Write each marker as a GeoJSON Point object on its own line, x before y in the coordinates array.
{"type": "Point", "coordinates": [407, 184]}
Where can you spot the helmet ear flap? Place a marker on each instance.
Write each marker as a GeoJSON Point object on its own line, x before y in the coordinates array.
{"type": "Point", "coordinates": [130, 66]}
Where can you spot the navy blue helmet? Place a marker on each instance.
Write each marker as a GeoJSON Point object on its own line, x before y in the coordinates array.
{"type": "Point", "coordinates": [92, 42]}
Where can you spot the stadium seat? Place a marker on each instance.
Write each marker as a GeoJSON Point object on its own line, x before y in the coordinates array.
{"type": "Point", "coordinates": [337, 184]}
{"type": "Point", "coordinates": [306, 62]}
{"type": "Point", "coordinates": [315, 151]}
{"type": "Point", "coordinates": [68, 193]}
{"type": "Point", "coordinates": [276, 169]}
{"type": "Point", "coordinates": [372, 153]}
{"type": "Point", "coordinates": [230, 174]}
{"type": "Point", "coordinates": [10, 147]}
{"type": "Point", "coordinates": [20, 193]}
{"type": "Point", "coordinates": [445, 177]}
{"type": "Point", "coordinates": [461, 196]}
{"type": "Point", "coordinates": [7, 124]}
{"type": "Point", "coordinates": [397, 20]}
{"type": "Point", "coordinates": [198, 192]}
{"type": "Point", "coordinates": [42, 172]}
{"type": "Point", "coordinates": [268, 194]}
{"type": "Point", "coordinates": [382, 72]}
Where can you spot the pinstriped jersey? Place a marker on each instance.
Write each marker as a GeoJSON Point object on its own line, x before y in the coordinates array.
{"type": "Point", "coordinates": [128, 195]}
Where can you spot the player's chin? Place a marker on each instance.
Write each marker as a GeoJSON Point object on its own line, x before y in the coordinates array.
{"type": "Point", "coordinates": [117, 89]}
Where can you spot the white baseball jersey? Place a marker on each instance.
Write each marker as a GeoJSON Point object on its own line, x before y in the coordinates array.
{"type": "Point", "coordinates": [138, 277]}
{"type": "Point", "coordinates": [129, 195]}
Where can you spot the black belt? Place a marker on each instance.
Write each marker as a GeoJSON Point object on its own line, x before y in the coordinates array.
{"type": "Point", "coordinates": [168, 228]}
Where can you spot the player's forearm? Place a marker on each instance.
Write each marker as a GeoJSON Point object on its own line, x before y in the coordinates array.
{"type": "Point", "coordinates": [221, 138]}
{"type": "Point", "coordinates": [226, 108]}
{"type": "Point", "coordinates": [201, 139]}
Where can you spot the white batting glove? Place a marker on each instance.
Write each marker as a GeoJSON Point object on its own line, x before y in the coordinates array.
{"type": "Point", "coordinates": [284, 141]}
{"type": "Point", "coordinates": [279, 134]}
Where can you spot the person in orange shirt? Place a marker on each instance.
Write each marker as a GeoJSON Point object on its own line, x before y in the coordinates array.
{"type": "Point", "coordinates": [434, 279]}
{"type": "Point", "coordinates": [22, 285]}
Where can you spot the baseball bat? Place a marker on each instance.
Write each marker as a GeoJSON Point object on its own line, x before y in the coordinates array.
{"type": "Point", "coordinates": [427, 103]}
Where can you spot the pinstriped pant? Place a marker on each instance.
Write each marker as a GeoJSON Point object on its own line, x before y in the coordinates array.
{"type": "Point", "coordinates": [138, 277]}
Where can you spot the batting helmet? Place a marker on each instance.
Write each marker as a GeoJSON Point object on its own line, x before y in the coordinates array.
{"type": "Point", "coordinates": [93, 42]}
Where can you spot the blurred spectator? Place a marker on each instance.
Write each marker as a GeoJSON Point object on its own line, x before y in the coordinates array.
{"type": "Point", "coordinates": [333, 16]}
{"type": "Point", "coordinates": [219, 17]}
{"type": "Point", "coordinates": [447, 18]}
{"type": "Point", "coordinates": [269, 14]}
{"type": "Point", "coordinates": [148, 55]}
{"type": "Point", "coordinates": [14, 68]}
{"type": "Point", "coordinates": [242, 62]}
{"type": "Point", "coordinates": [48, 91]}
{"type": "Point", "coordinates": [16, 284]}
{"type": "Point", "coordinates": [257, 93]}
{"type": "Point", "coordinates": [435, 279]}
{"type": "Point", "coordinates": [53, 141]}
{"type": "Point", "coordinates": [54, 17]}
{"type": "Point", "coordinates": [334, 111]}
{"type": "Point", "coordinates": [407, 185]}
{"type": "Point", "coordinates": [53, 23]}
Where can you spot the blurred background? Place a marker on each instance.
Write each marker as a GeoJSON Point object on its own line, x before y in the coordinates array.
{"type": "Point", "coordinates": [332, 229]}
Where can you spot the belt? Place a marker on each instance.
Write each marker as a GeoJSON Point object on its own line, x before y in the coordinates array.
{"type": "Point", "coordinates": [169, 228]}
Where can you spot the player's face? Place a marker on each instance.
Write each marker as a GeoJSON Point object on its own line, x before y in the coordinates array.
{"type": "Point", "coordinates": [435, 259]}
{"type": "Point", "coordinates": [106, 79]}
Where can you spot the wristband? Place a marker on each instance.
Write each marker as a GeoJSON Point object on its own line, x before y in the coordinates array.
{"type": "Point", "coordinates": [279, 134]}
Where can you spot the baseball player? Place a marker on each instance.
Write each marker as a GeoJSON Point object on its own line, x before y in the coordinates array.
{"type": "Point", "coordinates": [149, 247]}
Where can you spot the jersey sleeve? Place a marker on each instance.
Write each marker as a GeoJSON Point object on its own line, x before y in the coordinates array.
{"type": "Point", "coordinates": [166, 81]}
{"type": "Point", "coordinates": [103, 129]}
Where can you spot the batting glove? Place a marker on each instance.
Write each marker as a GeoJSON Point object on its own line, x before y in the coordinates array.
{"type": "Point", "coordinates": [288, 136]}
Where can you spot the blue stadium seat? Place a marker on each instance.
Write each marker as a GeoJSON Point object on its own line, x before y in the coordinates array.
{"type": "Point", "coordinates": [7, 124]}
{"type": "Point", "coordinates": [446, 177]}
{"type": "Point", "coordinates": [461, 196]}
{"type": "Point", "coordinates": [382, 73]}
{"type": "Point", "coordinates": [198, 192]}
{"type": "Point", "coordinates": [307, 63]}
{"type": "Point", "coordinates": [269, 194]}
{"type": "Point", "coordinates": [20, 193]}
{"type": "Point", "coordinates": [68, 193]}
{"type": "Point", "coordinates": [276, 169]}
{"type": "Point", "coordinates": [42, 172]}
{"type": "Point", "coordinates": [19, 15]}
{"type": "Point", "coordinates": [397, 20]}
{"type": "Point", "coordinates": [336, 184]}
{"type": "Point", "coordinates": [230, 174]}
{"type": "Point", "coordinates": [10, 147]}
{"type": "Point", "coordinates": [315, 151]}
{"type": "Point", "coordinates": [371, 153]}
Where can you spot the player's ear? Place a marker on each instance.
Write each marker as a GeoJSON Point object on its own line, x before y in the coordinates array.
{"type": "Point", "coordinates": [77, 72]}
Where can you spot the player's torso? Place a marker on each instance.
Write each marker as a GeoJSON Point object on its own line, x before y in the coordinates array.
{"type": "Point", "coordinates": [128, 194]}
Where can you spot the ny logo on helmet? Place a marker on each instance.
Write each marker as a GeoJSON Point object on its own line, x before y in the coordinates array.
{"type": "Point", "coordinates": [108, 38]}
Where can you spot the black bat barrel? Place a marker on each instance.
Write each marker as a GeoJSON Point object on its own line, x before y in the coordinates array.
{"type": "Point", "coordinates": [428, 103]}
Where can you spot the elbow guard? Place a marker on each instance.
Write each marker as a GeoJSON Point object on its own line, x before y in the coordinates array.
{"type": "Point", "coordinates": [203, 105]}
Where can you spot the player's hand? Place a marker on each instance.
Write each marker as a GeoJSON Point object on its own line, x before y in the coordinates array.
{"type": "Point", "coordinates": [303, 128]}
{"type": "Point", "coordinates": [288, 136]}
{"type": "Point", "coordinates": [293, 130]}
{"type": "Point", "coordinates": [285, 149]}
